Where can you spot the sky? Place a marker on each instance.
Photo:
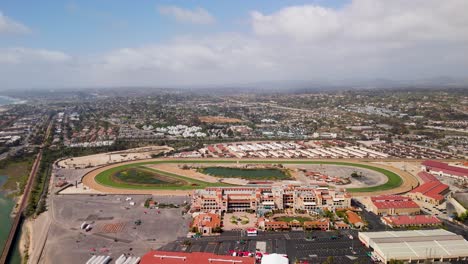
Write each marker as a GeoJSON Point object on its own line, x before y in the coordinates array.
{"type": "Point", "coordinates": [106, 43]}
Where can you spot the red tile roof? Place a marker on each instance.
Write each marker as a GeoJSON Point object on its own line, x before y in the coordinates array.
{"type": "Point", "coordinates": [353, 218]}
{"type": "Point", "coordinates": [393, 201]}
{"type": "Point", "coordinates": [411, 220]}
{"type": "Point", "coordinates": [434, 189]}
{"type": "Point", "coordinates": [208, 220]}
{"type": "Point", "coordinates": [446, 168]}
{"type": "Point", "coordinates": [166, 257]}
{"type": "Point", "coordinates": [427, 177]}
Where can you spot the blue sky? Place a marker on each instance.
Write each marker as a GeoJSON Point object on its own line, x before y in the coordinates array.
{"type": "Point", "coordinates": [158, 43]}
{"type": "Point", "coordinates": [97, 25]}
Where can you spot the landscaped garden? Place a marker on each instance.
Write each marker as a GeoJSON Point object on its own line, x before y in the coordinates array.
{"type": "Point", "coordinates": [288, 219]}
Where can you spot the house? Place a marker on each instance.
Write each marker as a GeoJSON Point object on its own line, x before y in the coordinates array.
{"type": "Point", "coordinates": [322, 224]}
{"type": "Point", "coordinates": [341, 225]}
{"type": "Point", "coordinates": [355, 219]}
{"type": "Point", "coordinates": [276, 225]}
{"type": "Point", "coordinates": [206, 223]}
{"type": "Point", "coordinates": [411, 220]}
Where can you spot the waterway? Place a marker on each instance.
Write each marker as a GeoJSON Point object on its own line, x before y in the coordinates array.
{"type": "Point", "coordinates": [6, 206]}
{"type": "Point", "coordinates": [4, 100]}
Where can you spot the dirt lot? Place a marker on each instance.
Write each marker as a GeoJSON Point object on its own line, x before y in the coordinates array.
{"type": "Point", "coordinates": [113, 157]}
{"type": "Point", "coordinates": [219, 119]}
{"type": "Point", "coordinates": [369, 177]}
{"type": "Point", "coordinates": [114, 230]}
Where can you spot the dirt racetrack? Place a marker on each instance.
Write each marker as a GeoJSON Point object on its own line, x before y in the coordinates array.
{"type": "Point", "coordinates": [409, 181]}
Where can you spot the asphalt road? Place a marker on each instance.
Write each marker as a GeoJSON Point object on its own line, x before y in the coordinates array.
{"type": "Point", "coordinates": [314, 247]}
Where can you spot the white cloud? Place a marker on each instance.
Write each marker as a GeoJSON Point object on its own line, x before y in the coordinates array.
{"type": "Point", "coordinates": [7, 25]}
{"type": "Point", "coordinates": [368, 20]}
{"type": "Point", "coordinates": [366, 39]}
{"type": "Point", "coordinates": [32, 56]}
{"type": "Point", "coordinates": [195, 16]}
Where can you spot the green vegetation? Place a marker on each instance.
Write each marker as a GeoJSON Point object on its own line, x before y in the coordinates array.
{"type": "Point", "coordinates": [248, 174]}
{"type": "Point", "coordinates": [37, 199]}
{"type": "Point", "coordinates": [288, 219]}
{"type": "Point", "coordinates": [105, 178]}
{"type": "Point", "coordinates": [243, 220]}
{"type": "Point", "coordinates": [142, 176]}
{"type": "Point", "coordinates": [17, 169]}
{"type": "Point", "coordinates": [462, 217]}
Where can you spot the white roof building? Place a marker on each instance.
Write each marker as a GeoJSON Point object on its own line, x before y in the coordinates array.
{"type": "Point", "coordinates": [274, 259]}
{"type": "Point", "coordinates": [416, 245]}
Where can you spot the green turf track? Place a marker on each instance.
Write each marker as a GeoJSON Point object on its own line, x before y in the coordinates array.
{"type": "Point", "coordinates": [105, 177]}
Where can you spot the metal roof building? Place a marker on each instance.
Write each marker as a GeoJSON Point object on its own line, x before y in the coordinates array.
{"type": "Point", "coordinates": [416, 245]}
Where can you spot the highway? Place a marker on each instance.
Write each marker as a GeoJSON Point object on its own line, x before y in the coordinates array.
{"type": "Point", "coordinates": [24, 201]}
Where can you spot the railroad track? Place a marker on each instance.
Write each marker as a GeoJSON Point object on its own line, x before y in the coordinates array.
{"type": "Point", "coordinates": [24, 201]}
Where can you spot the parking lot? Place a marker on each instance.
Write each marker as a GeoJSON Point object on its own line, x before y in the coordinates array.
{"type": "Point", "coordinates": [313, 246]}
{"type": "Point", "coordinates": [115, 228]}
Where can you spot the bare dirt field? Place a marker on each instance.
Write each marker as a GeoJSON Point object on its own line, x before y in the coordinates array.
{"type": "Point", "coordinates": [219, 119]}
{"type": "Point", "coordinates": [369, 177]}
{"type": "Point", "coordinates": [114, 229]}
{"type": "Point", "coordinates": [113, 157]}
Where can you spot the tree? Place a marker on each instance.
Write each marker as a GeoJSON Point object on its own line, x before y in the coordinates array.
{"type": "Point", "coordinates": [329, 260]}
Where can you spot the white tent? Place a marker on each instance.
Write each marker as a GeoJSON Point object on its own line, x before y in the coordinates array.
{"type": "Point", "coordinates": [274, 259]}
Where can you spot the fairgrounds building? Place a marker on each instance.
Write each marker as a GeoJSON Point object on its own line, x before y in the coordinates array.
{"type": "Point", "coordinates": [391, 205]}
{"type": "Point", "coordinates": [416, 246]}
{"type": "Point", "coordinates": [444, 169]}
{"type": "Point", "coordinates": [433, 192]}
{"type": "Point", "coordinates": [265, 199]}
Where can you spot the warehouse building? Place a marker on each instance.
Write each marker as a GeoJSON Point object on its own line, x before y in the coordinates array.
{"type": "Point", "coordinates": [416, 246]}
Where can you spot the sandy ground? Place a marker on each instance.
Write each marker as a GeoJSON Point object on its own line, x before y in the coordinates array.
{"type": "Point", "coordinates": [67, 243]}
{"type": "Point", "coordinates": [219, 119]}
{"type": "Point", "coordinates": [79, 189]}
{"type": "Point", "coordinates": [369, 177]}
{"type": "Point", "coordinates": [227, 225]}
{"type": "Point", "coordinates": [39, 229]}
{"type": "Point", "coordinates": [409, 180]}
{"type": "Point", "coordinates": [113, 157]}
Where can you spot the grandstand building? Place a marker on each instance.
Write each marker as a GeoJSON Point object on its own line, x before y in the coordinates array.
{"type": "Point", "coordinates": [264, 199]}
